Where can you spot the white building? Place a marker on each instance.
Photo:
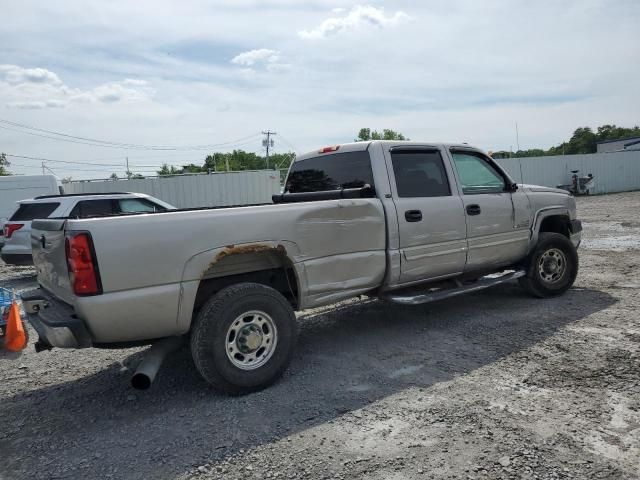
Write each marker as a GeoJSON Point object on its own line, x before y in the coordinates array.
{"type": "Point", "coordinates": [632, 143]}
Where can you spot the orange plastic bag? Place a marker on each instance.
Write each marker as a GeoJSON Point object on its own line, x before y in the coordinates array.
{"type": "Point", "coordinates": [15, 337]}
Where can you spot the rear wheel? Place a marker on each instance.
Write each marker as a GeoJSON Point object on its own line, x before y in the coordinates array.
{"type": "Point", "coordinates": [243, 338]}
{"type": "Point", "coordinates": [552, 267]}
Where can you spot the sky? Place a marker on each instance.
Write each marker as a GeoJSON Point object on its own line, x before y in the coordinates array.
{"type": "Point", "coordinates": [167, 81]}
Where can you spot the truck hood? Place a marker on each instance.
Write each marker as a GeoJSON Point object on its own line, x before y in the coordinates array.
{"type": "Point", "coordinates": [540, 188]}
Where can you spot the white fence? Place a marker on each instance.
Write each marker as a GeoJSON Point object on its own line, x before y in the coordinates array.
{"type": "Point", "coordinates": [613, 172]}
{"type": "Point", "coordinates": [201, 190]}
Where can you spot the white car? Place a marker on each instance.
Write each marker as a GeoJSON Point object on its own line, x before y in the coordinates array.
{"type": "Point", "coordinates": [17, 230]}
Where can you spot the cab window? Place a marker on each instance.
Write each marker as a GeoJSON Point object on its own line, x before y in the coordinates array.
{"type": "Point", "coordinates": [477, 175]}
{"type": "Point", "coordinates": [420, 174]}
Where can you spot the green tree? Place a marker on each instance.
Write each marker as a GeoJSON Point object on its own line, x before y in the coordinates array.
{"type": "Point", "coordinates": [583, 140]}
{"type": "Point", "coordinates": [366, 134]}
{"type": "Point", "coordinates": [168, 170]}
{"type": "Point", "coordinates": [191, 168]}
{"type": "Point", "coordinates": [613, 132]}
{"type": "Point", "coordinates": [4, 163]}
{"type": "Point", "coordinates": [113, 176]}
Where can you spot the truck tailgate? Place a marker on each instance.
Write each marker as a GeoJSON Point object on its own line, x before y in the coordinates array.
{"type": "Point", "coordinates": [49, 257]}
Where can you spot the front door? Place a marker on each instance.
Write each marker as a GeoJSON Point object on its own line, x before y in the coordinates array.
{"type": "Point", "coordinates": [431, 218]}
{"type": "Point", "coordinates": [494, 238]}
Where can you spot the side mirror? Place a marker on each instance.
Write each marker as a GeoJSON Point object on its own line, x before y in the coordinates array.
{"type": "Point", "coordinates": [513, 187]}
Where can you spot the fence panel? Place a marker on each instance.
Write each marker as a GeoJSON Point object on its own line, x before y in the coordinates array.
{"type": "Point", "coordinates": [186, 191]}
{"type": "Point", "coordinates": [613, 172]}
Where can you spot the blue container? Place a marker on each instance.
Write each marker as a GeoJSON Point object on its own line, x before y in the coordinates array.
{"type": "Point", "coordinates": [6, 299]}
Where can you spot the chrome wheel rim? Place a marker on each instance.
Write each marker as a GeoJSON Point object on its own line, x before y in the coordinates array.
{"type": "Point", "coordinates": [251, 340]}
{"type": "Point", "coordinates": [552, 265]}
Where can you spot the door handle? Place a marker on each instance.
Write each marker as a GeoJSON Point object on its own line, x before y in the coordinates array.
{"type": "Point", "coordinates": [413, 215]}
{"type": "Point", "coordinates": [473, 209]}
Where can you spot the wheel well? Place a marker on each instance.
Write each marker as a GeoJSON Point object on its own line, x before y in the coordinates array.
{"type": "Point", "coordinates": [556, 224]}
{"type": "Point", "coordinates": [281, 279]}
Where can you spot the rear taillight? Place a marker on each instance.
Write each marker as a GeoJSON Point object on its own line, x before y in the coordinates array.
{"type": "Point", "coordinates": [81, 262]}
{"type": "Point", "coordinates": [12, 227]}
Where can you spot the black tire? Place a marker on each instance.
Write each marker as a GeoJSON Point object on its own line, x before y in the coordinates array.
{"type": "Point", "coordinates": [210, 339]}
{"type": "Point", "coordinates": [547, 283]}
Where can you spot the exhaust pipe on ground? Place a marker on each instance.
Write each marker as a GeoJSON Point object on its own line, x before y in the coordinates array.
{"type": "Point", "coordinates": [150, 364]}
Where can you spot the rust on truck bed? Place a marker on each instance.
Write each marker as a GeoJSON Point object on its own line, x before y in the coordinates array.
{"type": "Point", "coordinates": [234, 259]}
{"type": "Point", "coordinates": [242, 249]}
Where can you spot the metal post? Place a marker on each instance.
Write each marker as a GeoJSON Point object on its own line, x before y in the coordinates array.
{"type": "Point", "coordinates": [268, 143]}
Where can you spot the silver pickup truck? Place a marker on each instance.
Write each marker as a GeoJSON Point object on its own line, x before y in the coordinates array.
{"type": "Point", "coordinates": [408, 222]}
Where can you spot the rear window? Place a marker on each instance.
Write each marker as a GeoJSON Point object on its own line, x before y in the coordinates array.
{"type": "Point", "coordinates": [31, 211]}
{"type": "Point", "coordinates": [330, 172]}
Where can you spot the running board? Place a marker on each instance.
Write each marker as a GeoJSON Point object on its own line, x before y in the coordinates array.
{"type": "Point", "coordinates": [484, 282]}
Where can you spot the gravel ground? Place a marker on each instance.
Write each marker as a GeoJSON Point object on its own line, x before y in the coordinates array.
{"type": "Point", "coordinates": [491, 385]}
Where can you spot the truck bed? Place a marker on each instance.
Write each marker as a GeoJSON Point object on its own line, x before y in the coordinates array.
{"type": "Point", "coordinates": [335, 247]}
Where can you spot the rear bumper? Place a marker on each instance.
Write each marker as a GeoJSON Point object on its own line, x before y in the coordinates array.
{"type": "Point", "coordinates": [55, 321]}
{"type": "Point", "coordinates": [17, 258]}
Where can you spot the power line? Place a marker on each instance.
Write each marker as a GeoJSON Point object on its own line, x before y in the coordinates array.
{"type": "Point", "coordinates": [64, 137]}
{"type": "Point", "coordinates": [284, 139]}
{"type": "Point", "coordinates": [38, 167]}
{"type": "Point", "coordinates": [70, 162]}
{"type": "Point", "coordinates": [40, 159]}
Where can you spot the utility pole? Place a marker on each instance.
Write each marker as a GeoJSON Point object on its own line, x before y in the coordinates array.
{"type": "Point", "coordinates": [128, 172]}
{"type": "Point", "coordinates": [517, 137]}
{"type": "Point", "coordinates": [267, 143]}
{"type": "Point", "coordinates": [43, 168]}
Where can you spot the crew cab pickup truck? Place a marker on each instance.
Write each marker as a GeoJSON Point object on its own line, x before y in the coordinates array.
{"type": "Point", "coordinates": [408, 222]}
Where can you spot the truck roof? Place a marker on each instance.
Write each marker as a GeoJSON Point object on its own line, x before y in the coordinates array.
{"type": "Point", "coordinates": [360, 146]}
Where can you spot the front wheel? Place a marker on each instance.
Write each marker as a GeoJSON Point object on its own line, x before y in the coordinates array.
{"type": "Point", "coordinates": [552, 267]}
{"type": "Point", "coordinates": [243, 338]}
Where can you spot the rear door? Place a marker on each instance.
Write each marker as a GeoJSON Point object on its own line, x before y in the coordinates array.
{"type": "Point", "coordinates": [494, 239]}
{"type": "Point", "coordinates": [430, 214]}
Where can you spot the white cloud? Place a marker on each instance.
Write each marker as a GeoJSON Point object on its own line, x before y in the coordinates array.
{"type": "Point", "coordinates": [55, 103]}
{"type": "Point", "coordinates": [359, 16]}
{"type": "Point", "coordinates": [14, 75]}
{"type": "Point", "coordinates": [257, 56]}
{"type": "Point", "coordinates": [128, 90]}
{"type": "Point", "coordinates": [39, 88]}
{"type": "Point", "coordinates": [27, 105]}
{"type": "Point", "coordinates": [133, 82]}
